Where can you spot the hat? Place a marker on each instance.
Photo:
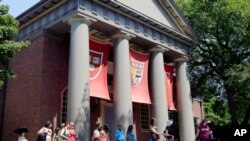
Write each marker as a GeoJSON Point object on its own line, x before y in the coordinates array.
{"type": "Point", "coordinates": [21, 130]}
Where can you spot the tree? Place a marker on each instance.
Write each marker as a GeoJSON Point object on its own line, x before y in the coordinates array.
{"type": "Point", "coordinates": [8, 47]}
{"type": "Point", "coordinates": [220, 64]}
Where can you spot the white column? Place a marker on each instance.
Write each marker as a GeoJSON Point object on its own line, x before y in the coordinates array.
{"type": "Point", "coordinates": [78, 109]}
{"type": "Point", "coordinates": [158, 88]}
{"type": "Point", "coordinates": [186, 119]}
{"type": "Point", "coordinates": [123, 110]}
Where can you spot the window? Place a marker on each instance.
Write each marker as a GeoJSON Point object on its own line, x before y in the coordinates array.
{"type": "Point", "coordinates": [64, 106]}
{"type": "Point", "coordinates": [144, 117]}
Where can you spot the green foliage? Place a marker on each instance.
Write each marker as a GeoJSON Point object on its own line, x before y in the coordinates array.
{"type": "Point", "coordinates": [8, 47]}
{"type": "Point", "coordinates": [217, 111]}
{"type": "Point", "coordinates": [220, 64]}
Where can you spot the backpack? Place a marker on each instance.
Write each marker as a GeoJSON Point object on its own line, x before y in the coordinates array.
{"type": "Point", "coordinates": [41, 137]}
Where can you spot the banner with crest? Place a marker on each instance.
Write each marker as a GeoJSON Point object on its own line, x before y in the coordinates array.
{"type": "Point", "coordinates": [169, 70]}
{"type": "Point", "coordinates": [98, 59]}
{"type": "Point", "coordinates": [139, 77]}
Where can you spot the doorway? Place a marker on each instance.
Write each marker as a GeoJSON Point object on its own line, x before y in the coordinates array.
{"type": "Point", "coordinates": [107, 116]}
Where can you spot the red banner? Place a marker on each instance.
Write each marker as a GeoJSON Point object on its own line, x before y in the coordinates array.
{"type": "Point", "coordinates": [169, 85]}
{"type": "Point", "coordinates": [139, 77]}
{"type": "Point", "coordinates": [98, 58]}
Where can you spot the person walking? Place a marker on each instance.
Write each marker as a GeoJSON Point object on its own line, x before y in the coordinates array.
{"type": "Point", "coordinates": [154, 135]}
{"type": "Point", "coordinates": [45, 133]}
{"type": "Point", "coordinates": [96, 134]}
{"type": "Point", "coordinates": [64, 132]}
{"type": "Point", "coordinates": [119, 133]}
{"type": "Point", "coordinates": [167, 134]}
{"type": "Point", "coordinates": [130, 133]}
{"type": "Point", "coordinates": [104, 133]}
{"type": "Point", "coordinates": [203, 131]}
{"type": "Point", "coordinates": [22, 137]}
{"type": "Point", "coordinates": [72, 132]}
{"type": "Point", "coordinates": [21, 131]}
{"type": "Point", "coordinates": [56, 134]}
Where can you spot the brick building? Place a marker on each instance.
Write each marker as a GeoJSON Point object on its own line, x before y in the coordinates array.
{"type": "Point", "coordinates": [53, 78]}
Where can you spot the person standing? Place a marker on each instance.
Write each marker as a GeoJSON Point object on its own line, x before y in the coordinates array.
{"type": "Point", "coordinates": [130, 133]}
{"type": "Point", "coordinates": [119, 133]}
{"type": "Point", "coordinates": [64, 132]}
{"type": "Point", "coordinates": [45, 133]}
{"type": "Point", "coordinates": [72, 132]}
{"type": "Point", "coordinates": [154, 135]}
{"type": "Point", "coordinates": [21, 131]}
{"type": "Point", "coordinates": [167, 134]}
{"type": "Point", "coordinates": [22, 137]}
{"type": "Point", "coordinates": [56, 134]}
{"type": "Point", "coordinates": [96, 133]}
{"type": "Point", "coordinates": [59, 132]}
{"type": "Point", "coordinates": [104, 133]}
{"type": "Point", "coordinates": [203, 131]}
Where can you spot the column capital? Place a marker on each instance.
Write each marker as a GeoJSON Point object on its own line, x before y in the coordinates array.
{"type": "Point", "coordinates": [158, 48]}
{"type": "Point", "coordinates": [120, 33]}
{"type": "Point", "coordinates": [183, 58]}
{"type": "Point", "coordinates": [78, 18]}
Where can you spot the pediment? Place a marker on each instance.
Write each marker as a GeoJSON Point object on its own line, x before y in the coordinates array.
{"type": "Point", "coordinates": [163, 12]}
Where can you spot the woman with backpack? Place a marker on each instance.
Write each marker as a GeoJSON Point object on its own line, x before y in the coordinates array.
{"type": "Point", "coordinates": [64, 132]}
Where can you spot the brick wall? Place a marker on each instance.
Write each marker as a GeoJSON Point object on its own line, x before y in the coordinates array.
{"type": "Point", "coordinates": [34, 96]}
{"type": "Point", "coordinates": [197, 110]}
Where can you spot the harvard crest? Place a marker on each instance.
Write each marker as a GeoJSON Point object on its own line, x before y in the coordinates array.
{"type": "Point", "coordinates": [136, 72]}
{"type": "Point", "coordinates": [95, 63]}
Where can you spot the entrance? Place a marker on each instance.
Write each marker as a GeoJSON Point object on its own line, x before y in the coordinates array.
{"type": "Point", "coordinates": [107, 115]}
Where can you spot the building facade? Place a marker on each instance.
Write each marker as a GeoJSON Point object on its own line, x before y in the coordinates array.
{"type": "Point", "coordinates": [53, 75]}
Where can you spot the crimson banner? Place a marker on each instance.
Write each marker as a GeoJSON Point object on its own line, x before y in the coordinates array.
{"type": "Point", "coordinates": [139, 77]}
{"type": "Point", "coordinates": [169, 85]}
{"type": "Point", "coordinates": [98, 58]}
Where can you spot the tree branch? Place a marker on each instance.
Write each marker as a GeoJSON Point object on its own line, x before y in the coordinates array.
{"type": "Point", "coordinates": [215, 69]}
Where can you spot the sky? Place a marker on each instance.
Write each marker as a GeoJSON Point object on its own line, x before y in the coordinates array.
{"type": "Point", "coordinates": [17, 7]}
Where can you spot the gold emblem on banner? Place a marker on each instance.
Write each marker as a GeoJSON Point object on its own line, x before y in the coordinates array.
{"type": "Point", "coordinates": [136, 72]}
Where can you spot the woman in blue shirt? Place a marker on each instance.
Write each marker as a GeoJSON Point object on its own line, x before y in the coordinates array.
{"type": "Point", "coordinates": [119, 133]}
{"type": "Point", "coordinates": [130, 133]}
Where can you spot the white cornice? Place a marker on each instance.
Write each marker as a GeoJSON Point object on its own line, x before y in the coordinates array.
{"type": "Point", "coordinates": [33, 10]}
{"type": "Point", "coordinates": [179, 18]}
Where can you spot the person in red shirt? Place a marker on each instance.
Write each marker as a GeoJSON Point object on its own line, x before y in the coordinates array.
{"type": "Point", "coordinates": [72, 132]}
{"type": "Point", "coordinates": [203, 131]}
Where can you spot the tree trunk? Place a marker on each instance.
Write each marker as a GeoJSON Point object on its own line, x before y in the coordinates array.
{"type": "Point", "coordinates": [232, 107]}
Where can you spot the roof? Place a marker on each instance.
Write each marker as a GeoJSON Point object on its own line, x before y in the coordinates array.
{"type": "Point", "coordinates": [177, 14]}
{"type": "Point", "coordinates": [168, 16]}
{"type": "Point", "coordinates": [35, 10]}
